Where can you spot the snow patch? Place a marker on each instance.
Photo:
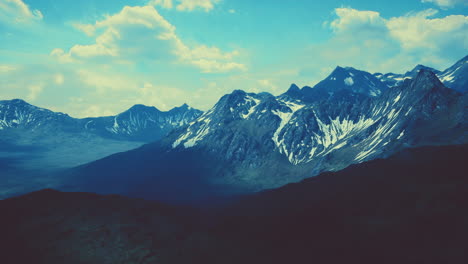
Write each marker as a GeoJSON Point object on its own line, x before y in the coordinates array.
{"type": "Point", "coordinates": [401, 135]}
{"type": "Point", "coordinates": [252, 109]}
{"type": "Point", "coordinates": [397, 99]}
{"type": "Point", "coordinates": [349, 81]}
{"type": "Point", "coordinates": [285, 118]}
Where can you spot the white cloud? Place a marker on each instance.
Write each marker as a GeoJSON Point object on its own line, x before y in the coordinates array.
{"type": "Point", "coordinates": [213, 66]}
{"type": "Point", "coordinates": [420, 31]}
{"type": "Point", "coordinates": [104, 82]}
{"type": "Point", "coordinates": [141, 33]}
{"type": "Point", "coordinates": [34, 91]}
{"type": "Point", "coordinates": [355, 20]}
{"type": "Point", "coordinates": [87, 29]}
{"type": "Point", "coordinates": [16, 12]}
{"type": "Point", "coordinates": [367, 40]}
{"type": "Point", "coordinates": [162, 3]}
{"type": "Point", "coordinates": [446, 3]}
{"type": "Point", "coordinates": [59, 79]}
{"type": "Point", "coordinates": [186, 5]}
{"type": "Point", "coordinates": [190, 5]}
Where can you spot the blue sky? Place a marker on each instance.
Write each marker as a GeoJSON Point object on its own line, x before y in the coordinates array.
{"type": "Point", "coordinates": [92, 58]}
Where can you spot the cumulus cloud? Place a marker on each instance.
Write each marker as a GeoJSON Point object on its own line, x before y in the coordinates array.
{"type": "Point", "coordinates": [141, 33]}
{"type": "Point", "coordinates": [367, 40]}
{"type": "Point", "coordinates": [446, 3]}
{"type": "Point", "coordinates": [87, 29]}
{"type": "Point", "coordinates": [421, 31]}
{"type": "Point", "coordinates": [162, 3]}
{"type": "Point", "coordinates": [34, 91]}
{"type": "Point", "coordinates": [186, 5]}
{"type": "Point", "coordinates": [352, 20]}
{"type": "Point", "coordinates": [16, 12]}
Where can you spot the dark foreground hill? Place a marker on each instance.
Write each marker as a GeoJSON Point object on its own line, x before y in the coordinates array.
{"type": "Point", "coordinates": [410, 208]}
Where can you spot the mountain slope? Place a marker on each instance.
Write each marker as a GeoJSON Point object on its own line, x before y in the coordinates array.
{"type": "Point", "coordinates": [410, 208]}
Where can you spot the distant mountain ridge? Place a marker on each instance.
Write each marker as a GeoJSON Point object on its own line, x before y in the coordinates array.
{"type": "Point", "coordinates": [455, 77]}
{"type": "Point", "coordinates": [35, 142]}
{"type": "Point", "coordinates": [139, 123]}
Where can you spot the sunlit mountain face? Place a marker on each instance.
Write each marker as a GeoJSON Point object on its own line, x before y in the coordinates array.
{"type": "Point", "coordinates": [209, 131]}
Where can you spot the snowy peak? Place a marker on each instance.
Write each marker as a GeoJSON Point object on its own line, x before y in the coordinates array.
{"type": "Point", "coordinates": [341, 82]}
{"type": "Point", "coordinates": [456, 77]}
{"type": "Point", "coordinates": [142, 123]}
{"type": "Point", "coordinates": [139, 123]}
{"type": "Point", "coordinates": [252, 131]}
{"type": "Point", "coordinates": [392, 79]}
{"type": "Point", "coordinates": [414, 72]}
{"type": "Point", "coordinates": [17, 113]}
{"type": "Point", "coordinates": [348, 78]}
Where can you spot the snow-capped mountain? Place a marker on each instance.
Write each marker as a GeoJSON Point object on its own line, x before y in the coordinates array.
{"type": "Point", "coordinates": [347, 79]}
{"type": "Point", "coordinates": [361, 127]}
{"type": "Point", "coordinates": [392, 79]}
{"type": "Point", "coordinates": [142, 123]}
{"type": "Point", "coordinates": [249, 142]}
{"type": "Point", "coordinates": [19, 114]}
{"type": "Point", "coordinates": [35, 143]}
{"type": "Point", "coordinates": [456, 77]}
{"type": "Point", "coordinates": [139, 123]}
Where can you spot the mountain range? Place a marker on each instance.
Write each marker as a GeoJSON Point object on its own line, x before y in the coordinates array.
{"type": "Point", "coordinates": [36, 142]}
{"type": "Point", "coordinates": [139, 123]}
{"type": "Point", "coordinates": [250, 142]}
{"type": "Point", "coordinates": [247, 142]}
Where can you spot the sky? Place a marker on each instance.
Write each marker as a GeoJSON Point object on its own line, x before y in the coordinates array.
{"type": "Point", "coordinates": [96, 58]}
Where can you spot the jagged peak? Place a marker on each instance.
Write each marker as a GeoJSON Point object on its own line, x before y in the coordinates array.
{"type": "Point", "coordinates": [346, 70]}
{"type": "Point", "coordinates": [293, 88]}
{"type": "Point", "coordinates": [15, 101]}
{"type": "Point", "coordinates": [238, 92]}
{"type": "Point", "coordinates": [142, 107]}
{"type": "Point", "coordinates": [425, 74]}
{"type": "Point", "coordinates": [234, 95]}
{"type": "Point", "coordinates": [184, 107]}
{"type": "Point", "coordinates": [420, 67]}
{"type": "Point", "coordinates": [426, 79]}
